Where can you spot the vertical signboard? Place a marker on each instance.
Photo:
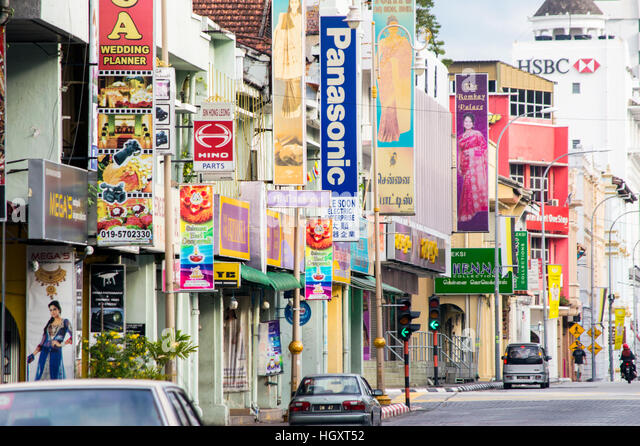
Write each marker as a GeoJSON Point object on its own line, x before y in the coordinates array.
{"type": "Point", "coordinates": [164, 91]}
{"type": "Point", "coordinates": [125, 123]}
{"type": "Point", "coordinates": [472, 152]}
{"type": "Point", "coordinates": [213, 139]}
{"type": "Point", "coordinates": [522, 250]}
{"type": "Point", "coordinates": [50, 311]}
{"type": "Point", "coordinates": [620, 314]}
{"type": "Point", "coordinates": [93, 85]}
{"type": "Point", "coordinates": [342, 262]}
{"type": "Point", "coordinates": [338, 125]}
{"type": "Point", "coordinates": [107, 298]}
{"type": "Point", "coordinates": [270, 349]}
{"type": "Point", "coordinates": [395, 104]}
{"type": "Point", "coordinates": [197, 237]}
{"type": "Point", "coordinates": [318, 259]}
{"type": "Point", "coordinates": [233, 221]}
{"type": "Point", "coordinates": [555, 285]}
{"type": "Point", "coordinates": [3, 122]}
{"type": "Point", "coordinates": [288, 66]}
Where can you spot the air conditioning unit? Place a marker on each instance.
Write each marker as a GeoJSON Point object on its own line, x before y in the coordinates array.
{"type": "Point", "coordinates": [553, 202]}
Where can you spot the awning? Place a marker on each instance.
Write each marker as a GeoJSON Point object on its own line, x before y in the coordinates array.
{"type": "Point", "coordinates": [283, 281]}
{"type": "Point", "coordinates": [255, 276]}
{"type": "Point", "coordinates": [368, 283]}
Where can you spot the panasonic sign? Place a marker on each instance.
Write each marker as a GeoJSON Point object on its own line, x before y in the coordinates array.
{"type": "Point", "coordinates": [338, 124]}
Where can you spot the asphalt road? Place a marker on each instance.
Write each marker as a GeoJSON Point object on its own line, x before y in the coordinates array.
{"type": "Point", "coordinates": [563, 404]}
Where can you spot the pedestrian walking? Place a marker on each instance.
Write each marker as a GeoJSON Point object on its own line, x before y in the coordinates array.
{"type": "Point", "coordinates": [579, 359]}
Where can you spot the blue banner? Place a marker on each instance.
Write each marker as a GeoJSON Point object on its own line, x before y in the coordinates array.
{"type": "Point", "coordinates": [339, 124]}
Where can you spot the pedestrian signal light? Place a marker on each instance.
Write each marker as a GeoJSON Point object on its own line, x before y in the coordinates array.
{"type": "Point", "coordinates": [434, 312]}
{"type": "Point", "coordinates": [405, 316]}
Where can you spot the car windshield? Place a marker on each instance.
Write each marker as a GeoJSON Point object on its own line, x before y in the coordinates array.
{"type": "Point", "coordinates": [79, 407]}
{"type": "Point", "coordinates": [524, 354]}
{"type": "Point", "coordinates": [329, 385]}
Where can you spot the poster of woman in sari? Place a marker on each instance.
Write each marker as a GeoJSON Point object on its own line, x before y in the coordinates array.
{"type": "Point", "coordinates": [472, 159]}
{"type": "Point", "coordinates": [395, 83]}
{"type": "Point", "coordinates": [288, 68]}
{"type": "Point", "coordinates": [472, 141]}
{"type": "Point", "coordinates": [51, 306]}
{"type": "Point", "coordinates": [54, 338]}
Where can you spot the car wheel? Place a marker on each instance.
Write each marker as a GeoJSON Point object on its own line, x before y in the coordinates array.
{"type": "Point", "coordinates": [506, 386]}
{"type": "Point", "coordinates": [369, 421]}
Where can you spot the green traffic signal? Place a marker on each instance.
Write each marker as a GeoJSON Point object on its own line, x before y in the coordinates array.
{"type": "Point", "coordinates": [404, 318]}
{"type": "Point", "coordinates": [434, 312]}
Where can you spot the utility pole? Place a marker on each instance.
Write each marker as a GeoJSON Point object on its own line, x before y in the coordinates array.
{"type": "Point", "coordinates": [168, 214]}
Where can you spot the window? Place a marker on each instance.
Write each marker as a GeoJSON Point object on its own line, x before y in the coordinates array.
{"type": "Point", "coordinates": [528, 101]}
{"type": "Point", "coordinates": [538, 184]}
{"type": "Point", "coordinates": [576, 88]}
{"type": "Point", "coordinates": [575, 144]}
{"type": "Point", "coordinates": [524, 354]}
{"type": "Point", "coordinates": [536, 248]}
{"type": "Point", "coordinates": [177, 397]}
{"type": "Point", "coordinates": [492, 86]}
{"type": "Point", "coordinates": [516, 172]}
{"type": "Point", "coordinates": [435, 81]}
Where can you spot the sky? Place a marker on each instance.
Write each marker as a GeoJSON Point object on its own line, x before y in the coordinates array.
{"type": "Point", "coordinates": [484, 29]}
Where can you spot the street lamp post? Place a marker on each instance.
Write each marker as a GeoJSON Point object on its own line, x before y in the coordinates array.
{"type": "Point", "coordinates": [544, 246]}
{"type": "Point", "coordinates": [592, 301]}
{"type": "Point", "coordinates": [497, 269]}
{"type": "Point", "coordinates": [611, 298]}
{"type": "Point", "coordinates": [379, 342]}
{"type": "Point", "coordinates": [635, 301]}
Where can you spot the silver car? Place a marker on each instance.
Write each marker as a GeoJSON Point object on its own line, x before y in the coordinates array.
{"type": "Point", "coordinates": [525, 363]}
{"type": "Point", "coordinates": [96, 402]}
{"type": "Point", "coordinates": [335, 399]}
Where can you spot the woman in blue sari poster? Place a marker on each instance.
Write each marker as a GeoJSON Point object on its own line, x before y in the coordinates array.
{"type": "Point", "coordinates": [50, 364]}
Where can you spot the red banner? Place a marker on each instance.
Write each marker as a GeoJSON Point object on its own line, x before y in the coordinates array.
{"type": "Point", "coordinates": [126, 35]}
{"type": "Point", "coordinates": [556, 219]}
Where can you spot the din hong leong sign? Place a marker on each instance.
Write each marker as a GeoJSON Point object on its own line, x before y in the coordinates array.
{"type": "Point", "coordinates": [472, 273]}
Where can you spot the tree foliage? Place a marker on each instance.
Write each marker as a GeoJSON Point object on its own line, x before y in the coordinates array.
{"type": "Point", "coordinates": [425, 19]}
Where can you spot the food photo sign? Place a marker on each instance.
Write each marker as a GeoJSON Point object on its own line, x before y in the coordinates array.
{"type": "Point", "coordinates": [125, 123]}
{"type": "Point", "coordinates": [318, 259]}
{"type": "Point", "coordinates": [196, 237]}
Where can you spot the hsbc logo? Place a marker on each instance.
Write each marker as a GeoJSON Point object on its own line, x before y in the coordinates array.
{"type": "Point", "coordinates": [560, 66]}
{"type": "Point", "coordinates": [586, 65]}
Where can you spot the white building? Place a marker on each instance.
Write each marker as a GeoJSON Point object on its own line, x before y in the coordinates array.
{"type": "Point", "coordinates": [596, 97]}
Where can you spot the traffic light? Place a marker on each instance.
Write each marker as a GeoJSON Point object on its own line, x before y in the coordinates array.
{"type": "Point", "coordinates": [405, 316]}
{"type": "Point", "coordinates": [434, 312]}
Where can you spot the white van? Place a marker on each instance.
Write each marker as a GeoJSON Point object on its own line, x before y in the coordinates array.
{"type": "Point", "coordinates": [525, 363]}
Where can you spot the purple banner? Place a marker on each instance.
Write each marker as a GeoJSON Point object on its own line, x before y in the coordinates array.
{"type": "Point", "coordinates": [472, 148]}
{"type": "Point", "coordinates": [234, 228]}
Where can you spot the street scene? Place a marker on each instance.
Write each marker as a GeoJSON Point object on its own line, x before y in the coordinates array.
{"type": "Point", "coordinates": [291, 213]}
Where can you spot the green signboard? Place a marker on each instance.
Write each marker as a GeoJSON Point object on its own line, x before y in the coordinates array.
{"type": "Point", "coordinates": [521, 240]}
{"type": "Point", "coordinates": [472, 273]}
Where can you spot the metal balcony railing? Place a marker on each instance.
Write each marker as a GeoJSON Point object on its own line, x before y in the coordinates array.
{"type": "Point", "coordinates": [457, 351]}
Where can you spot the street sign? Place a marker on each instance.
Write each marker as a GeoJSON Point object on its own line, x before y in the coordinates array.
{"type": "Point", "coordinates": [576, 330]}
{"type": "Point", "coordinates": [595, 350]}
{"type": "Point", "coordinates": [596, 331]}
{"type": "Point", "coordinates": [575, 345]}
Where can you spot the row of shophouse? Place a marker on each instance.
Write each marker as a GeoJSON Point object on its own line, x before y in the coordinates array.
{"type": "Point", "coordinates": [223, 52]}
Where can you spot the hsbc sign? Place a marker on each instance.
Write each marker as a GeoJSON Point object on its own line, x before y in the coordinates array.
{"type": "Point", "coordinates": [561, 66]}
{"type": "Point", "coordinates": [213, 138]}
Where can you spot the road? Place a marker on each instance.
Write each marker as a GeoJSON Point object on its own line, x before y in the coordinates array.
{"type": "Point", "coordinates": [563, 404]}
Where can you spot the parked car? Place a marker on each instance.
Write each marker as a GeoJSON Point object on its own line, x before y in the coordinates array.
{"type": "Point", "coordinates": [96, 402]}
{"type": "Point", "coordinates": [335, 399]}
{"type": "Point", "coordinates": [525, 363]}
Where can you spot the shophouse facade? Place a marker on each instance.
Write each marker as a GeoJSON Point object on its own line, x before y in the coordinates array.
{"type": "Point", "coordinates": [579, 50]}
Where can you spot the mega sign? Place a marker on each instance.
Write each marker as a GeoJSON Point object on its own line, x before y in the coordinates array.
{"type": "Point", "coordinates": [561, 66]}
{"type": "Point", "coordinates": [556, 219]}
{"type": "Point", "coordinates": [58, 206]}
{"type": "Point", "coordinates": [472, 272]}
